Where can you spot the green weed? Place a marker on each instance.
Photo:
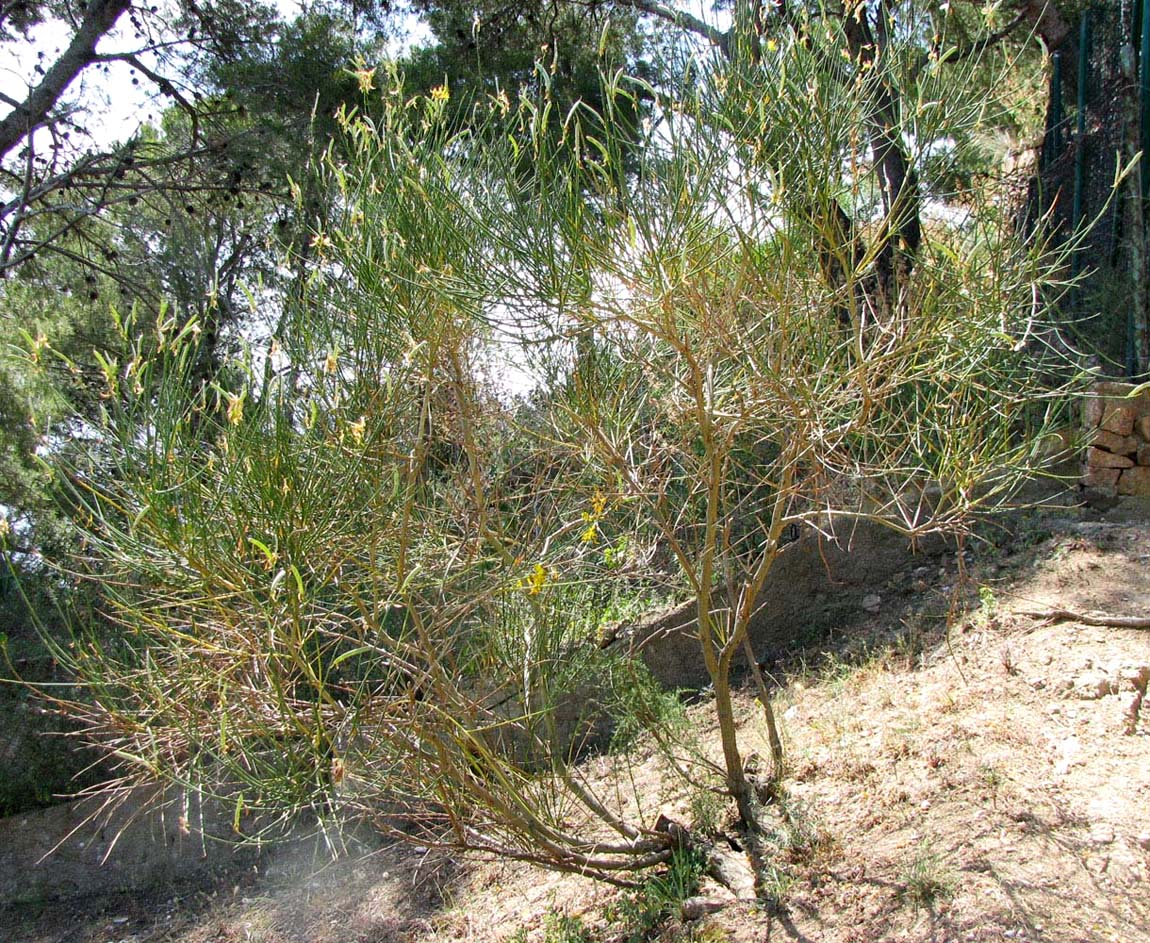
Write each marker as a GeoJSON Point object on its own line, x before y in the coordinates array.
{"type": "Point", "coordinates": [708, 809]}
{"type": "Point", "coordinates": [558, 927]}
{"type": "Point", "coordinates": [640, 915]}
{"type": "Point", "coordinates": [565, 928]}
{"type": "Point", "coordinates": [925, 878]}
{"type": "Point", "coordinates": [775, 882]}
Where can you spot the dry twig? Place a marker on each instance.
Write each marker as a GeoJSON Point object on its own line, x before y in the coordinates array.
{"type": "Point", "coordinates": [1067, 615]}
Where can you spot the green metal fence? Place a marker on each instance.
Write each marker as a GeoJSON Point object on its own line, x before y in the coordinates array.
{"type": "Point", "coordinates": [1098, 117]}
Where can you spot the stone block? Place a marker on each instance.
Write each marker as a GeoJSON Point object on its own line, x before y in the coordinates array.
{"type": "Point", "coordinates": [1113, 388]}
{"type": "Point", "coordinates": [1118, 417]}
{"type": "Point", "coordinates": [1110, 402]}
{"type": "Point", "coordinates": [1134, 677]}
{"type": "Point", "coordinates": [1117, 444]}
{"type": "Point", "coordinates": [1097, 458]}
{"type": "Point", "coordinates": [1135, 481]}
{"type": "Point", "coordinates": [1143, 456]}
{"type": "Point", "coordinates": [1143, 427]}
{"type": "Point", "coordinates": [1092, 685]}
{"type": "Point", "coordinates": [1102, 480]}
{"type": "Point", "coordinates": [1091, 412]}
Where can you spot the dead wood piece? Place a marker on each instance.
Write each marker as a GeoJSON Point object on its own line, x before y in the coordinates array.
{"type": "Point", "coordinates": [695, 908]}
{"type": "Point", "coordinates": [732, 869]}
{"type": "Point", "coordinates": [1067, 615]}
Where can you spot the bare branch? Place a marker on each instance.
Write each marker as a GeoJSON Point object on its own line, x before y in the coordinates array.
{"type": "Point", "coordinates": [1067, 615]}
{"type": "Point", "coordinates": [161, 82]}
{"type": "Point", "coordinates": [691, 24]}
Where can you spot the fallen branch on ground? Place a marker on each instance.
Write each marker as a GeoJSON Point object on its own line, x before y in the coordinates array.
{"type": "Point", "coordinates": [1067, 615]}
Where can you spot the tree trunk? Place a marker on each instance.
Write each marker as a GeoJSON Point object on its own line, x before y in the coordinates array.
{"type": "Point", "coordinates": [99, 18]}
{"type": "Point", "coordinates": [901, 232]}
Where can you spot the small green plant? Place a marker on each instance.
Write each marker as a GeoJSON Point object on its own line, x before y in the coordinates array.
{"type": "Point", "coordinates": [987, 615]}
{"type": "Point", "coordinates": [564, 928]}
{"type": "Point", "coordinates": [708, 933]}
{"type": "Point", "coordinates": [639, 915]}
{"type": "Point", "coordinates": [987, 600]}
{"type": "Point", "coordinates": [835, 672]}
{"type": "Point", "coordinates": [991, 775]}
{"type": "Point", "coordinates": [708, 808]}
{"type": "Point", "coordinates": [993, 779]}
{"type": "Point", "coordinates": [678, 882]}
{"type": "Point", "coordinates": [796, 839]}
{"type": "Point", "coordinates": [775, 882]}
{"type": "Point", "coordinates": [925, 879]}
{"type": "Point", "coordinates": [802, 834]}
{"type": "Point", "coordinates": [638, 705]}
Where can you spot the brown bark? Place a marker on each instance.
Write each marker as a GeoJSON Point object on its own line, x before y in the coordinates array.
{"type": "Point", "coordinates": [99, 18]}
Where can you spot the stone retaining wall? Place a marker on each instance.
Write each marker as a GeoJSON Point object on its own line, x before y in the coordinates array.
{"type": "Point", "coordinates": [1117, 424]}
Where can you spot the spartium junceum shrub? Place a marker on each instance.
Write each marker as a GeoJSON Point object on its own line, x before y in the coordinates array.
{"type": "Point", "coordinates": [357, 577]}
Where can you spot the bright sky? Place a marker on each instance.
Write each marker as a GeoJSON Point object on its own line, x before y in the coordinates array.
{"type": "Point", "coordinates": [114, 107]}
{"type": "Point", "coordinates": [117, 107]}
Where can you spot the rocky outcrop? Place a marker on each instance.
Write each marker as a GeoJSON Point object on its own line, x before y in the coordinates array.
{"type": "Point", "coordinates": [1116, 418]}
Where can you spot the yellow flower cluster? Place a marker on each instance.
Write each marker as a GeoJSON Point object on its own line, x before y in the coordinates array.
{"type": "Point", "coordinates": [534, 582]}
{"type": "Point", "coordinates": [235, 408]}
{"type": "Point", "coordinates": [591, 518]}
{"type": "Point", "coordinates": [357, 429]}
{"type": "Point", "coordinates": [366, 79]}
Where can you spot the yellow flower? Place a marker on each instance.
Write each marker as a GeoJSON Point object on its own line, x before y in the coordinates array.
{"type": "Point", "coordinates": [39, 342]}
{"type": "Point", "coordinates": [366, 79]}
{"type": "Point", "coordinates": [331, 364]}
{"type": "Point", "coordinates": [5, 528]}
{"type": "Point", "coordinates": [535, 580]}
{"type": "Point", "coordinates": [590, 533]}
{"type": "Point", "coordinates": [235, 408]}
{"type": "Point", "coordinates": [357, 428]}
{"type": "Point", "coordinates": [440, 93]}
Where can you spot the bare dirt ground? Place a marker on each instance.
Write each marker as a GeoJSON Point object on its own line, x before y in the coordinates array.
{"type": "Point", "coordinates": [990, 782]}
